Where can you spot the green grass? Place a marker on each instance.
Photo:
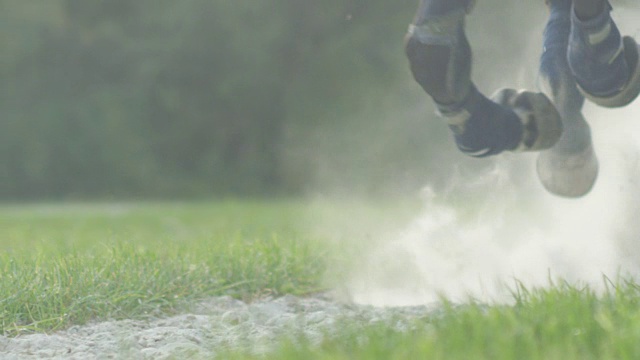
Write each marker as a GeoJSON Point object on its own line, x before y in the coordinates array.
{"type": "Point", "coordinates": [68, 264]}
{"type": "Point", "coordinates": [562, 322]}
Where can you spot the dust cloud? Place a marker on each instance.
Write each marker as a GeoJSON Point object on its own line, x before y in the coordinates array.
{"type": "Point", "coordinates": [489, 232]}
{"type": "Point", "coordinates": [491, 229]}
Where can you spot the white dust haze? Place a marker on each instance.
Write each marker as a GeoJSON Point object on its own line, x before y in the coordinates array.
{"type": "Point", "coordinates": [491, 229]}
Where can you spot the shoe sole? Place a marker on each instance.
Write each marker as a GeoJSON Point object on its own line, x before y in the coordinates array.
{"type": "Point", "coordinates": [568, 175]}
{"type": "Point", "coordinates": [631, 91]}
{"type": "Point", "coordinates": [535, 110]}
{"type": "Point", "coordinates": [570, 168]}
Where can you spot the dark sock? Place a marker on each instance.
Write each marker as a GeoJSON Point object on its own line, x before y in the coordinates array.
{"type": "Point", "coordinates": [588, 9]}
{"type": "Point", "coordinates": [490, 128]}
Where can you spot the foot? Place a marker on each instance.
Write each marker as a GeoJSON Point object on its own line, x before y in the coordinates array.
{"type": "Point", "coordinates": [631, 89]}
{"type": "Point", "coordinates": [569, 175]}
{"type": "Point", "coordinates": [541, 122]}
{"type": "Point", "coordinates": [570, 168]}
{"type": "Point", "coordinates": [510, 120]}
{"type": "Point", "coordinates": [605, 64]}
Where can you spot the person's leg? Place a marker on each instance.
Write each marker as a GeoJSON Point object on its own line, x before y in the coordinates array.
{"type": "Point", "coordinates": [589, 9]}
{"type": "Point", "coordinates": [604, 64]}
{"type": "Point", "coordinates": [570, 167]}
{"type": "Point", "coordinates": [440, 60]}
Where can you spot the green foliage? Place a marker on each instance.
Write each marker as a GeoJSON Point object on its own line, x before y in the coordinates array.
{"type": "Point", "coordinates": [165, 98]}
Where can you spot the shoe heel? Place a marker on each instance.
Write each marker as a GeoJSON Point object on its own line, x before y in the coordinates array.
{"type": "Point", "coordinates": [570, 168]}
{"type": "Point", "coordinates": [632, 89]}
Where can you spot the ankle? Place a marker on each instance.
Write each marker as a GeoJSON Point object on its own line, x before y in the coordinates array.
{"type": "Point", "coordinates": [589, 9]}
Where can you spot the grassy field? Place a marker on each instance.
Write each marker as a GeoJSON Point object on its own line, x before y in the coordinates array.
{"type": "Point", "coordinates": [69, 264]}
{"type": "Point", "coordinates": [561, 323]}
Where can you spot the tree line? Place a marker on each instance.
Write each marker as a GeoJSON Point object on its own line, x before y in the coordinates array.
{"type": "Point", "coordinates": [160, 98]}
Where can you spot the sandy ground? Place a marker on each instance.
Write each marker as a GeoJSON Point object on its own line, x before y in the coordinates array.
{"type": "Point", "coordinates": [212, 326]}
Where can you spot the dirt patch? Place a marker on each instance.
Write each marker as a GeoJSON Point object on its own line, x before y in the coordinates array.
{"type": "Point", "coordinates": [212, 326]}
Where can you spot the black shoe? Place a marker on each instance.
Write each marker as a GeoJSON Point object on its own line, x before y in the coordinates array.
{"type": "Point", "coordinates": [542, 124]}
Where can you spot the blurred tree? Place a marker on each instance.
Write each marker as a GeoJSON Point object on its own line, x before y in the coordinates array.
{"type": "Point", "coordinates": [198, 97]}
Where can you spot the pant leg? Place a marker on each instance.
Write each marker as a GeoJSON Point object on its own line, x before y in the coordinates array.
{"type": "Point", "coordinates": [570, 168]}
{"type": "Point", "coordinates": [555, 73]}
{"type": "Point", "coordinates": [596, 55]}
{"type": "Point", "coordinates": [588, 9]}
{"type": "Point", "coordinates": [440, 60]}
{"type": "Point", "coordinates": [558, 80]}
